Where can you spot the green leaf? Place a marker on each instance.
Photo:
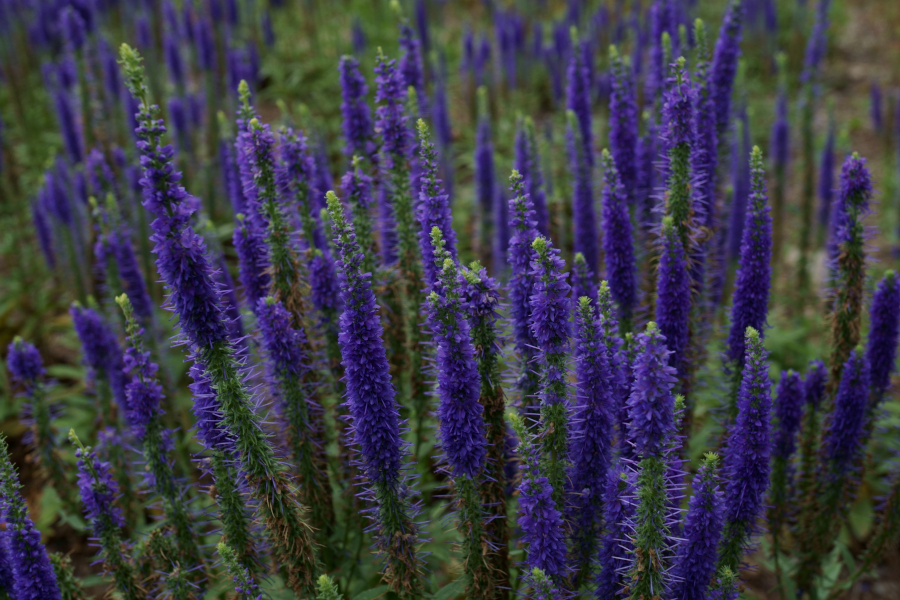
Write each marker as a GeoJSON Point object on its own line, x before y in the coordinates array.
{"type": "Point", "coordinates": [372, 594]}
{"type": "Point", "coordinates": [451, 590]}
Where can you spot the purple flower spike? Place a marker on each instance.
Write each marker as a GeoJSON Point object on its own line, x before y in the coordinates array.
{"type": "Point", "coordinates": [389, 116]}
{"type": "Point", "coordinates": [881, 349]}
{"type": "Point", "coordinates": [695, 557]}
{"type": "Point", "coordinates": [747, 455]}
{"type": "Point", "coordinates": [590, 440]}
{"type": "Point", "coordinates": [615, 546]}
{"type": "Point", "coordinates": [33, 575]}
{"type": "Point", "coordinates": [485, 180]}
{"type": "Point", "coordinates": [673, 291]}
{"type": "Point", "coordinates": [357, 125]}
{"type": "Point", "coordinates": [411, 66]}
{"type": "Point", "coordinates": [651, 404]}
{"type": "Point", "coordinates": [584, 214]}
{"type": "Point", "coordinates": [841, 441]}
{"type": "Point", "coordinates": [433, 207]}
{"type": "Point", "coordinates": [25, 364]}
{"type": "Point", "coordinates": [725, 61]}
{"type": "Point", "coordinates": [98, 491]}
{"type": "Point", "coordinates": [528, 164]}
{"type": "Point", "coordinates": [623, 122]}
{"type": "Point", "coordinates": [753, 281]}
{"type": "Point", "coordinates": [583, 284]}
{"type": "Point", "coordinates": [789, 410]}
{"type": "Point", "coordinates": [578, 100]}
{"type": "Point", "coordinates": [541, 522]}
{"type": "Point", "coordinates": [618, 245]}
{"type": "Point", "coordinates": [102, 351]}
{"type": "Point", "coordinates": [814, 384]}
{"type": "Point", "coordinates": [458, 381]}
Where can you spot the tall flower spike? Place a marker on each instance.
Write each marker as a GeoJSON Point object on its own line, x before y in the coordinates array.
{"type": "Point", "coordinates": [144, 416]}
{"type": "Point", "coordinates": [821, 519]}
{"type": "Point", "coordinates": [285, 344]}
{"type": "Point", "coordinates": [485, 183]}
{"type": "Point", "coordinates": [725, 62]}
{"type": "Point", "coordinates": [673, 298]}
{"type": "Point", "coordinates": [374, 413]}
{"type": "Point", "coordinates": [695, 557]}
{"type": "Point", "coordinates": [459, 416]}
{"type": "Point", "coordinates": [884, 329]}
{"type": "Point", "coordinates": [615, 545]}
{"type": "Point", "coordinates": [578, 97]}
{"type": "Point", "coordinates": [550, 310]}
{"type": "Point", "coordinates": [789, 410]}
{"type": "Point", "coordinates": [32, 572]}
{"type": "Point", "coordinates": [245, 586]}
{"type": "Point", "coordinates": [482, 302]}
{"type": "Point", "coordinates": [98, 490]}
{"type": "Point", "coordinates": [590, 440]}
{"type": "Point", "coordinates": [623, 123]}
{"type": "Point", "coordinates": [651, 403]}
{"type": "Point", "coordinates": [679, 115]}
{"type": "Point", "coordinates": [411, 66]}
{"type": "Point", "coordinates": [103, 354]}
{"type": "Point", "coordinates": [184, 266]}
{"type": "Point", "coordinates": [754, 277]}
{"type": "Point", "coordinates": [618, 246]}
{"type": "Point", "coordinates": [813, 394]}
{"type": "Point", "coordinates": [433, 208]}
{"type": "Point", "coordinates": [584, 213]}
{"type": "Point", "coordinates": [849, 232]}
{"type": "Point", "coordinates": [521, 286]}
{"type": "Point", "coordinates": [26, 369]}
{"type": "Point", "coordinates": [541, 522]}
{"type": "Point", "coordinates": [357, 124]}
{"type": "Point", "coordinates": [747, 456]}
{"type": "Point", "coordinates": [528, 164]}
{"type": "Point", "coordinates": [780, 153]}
{"type": "Point", "coordinates": [704, 149]}
{"type": "Point", "coordinates": [582, 281]}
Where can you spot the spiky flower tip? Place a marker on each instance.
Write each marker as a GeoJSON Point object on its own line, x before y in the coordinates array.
{"type": "Point", "coordinates": [26, 367]}
{"type": "Point", "coordinates": [849, 232]}
{"type": "Point", "coordinates": [102, 353]}
{"type": "Point", "coordinates": [32, 572]}
{"type": "Point", "coordinates": [725, 62]}
{"type": "Point", "coordinates": [374, 413]}
{"type": "Point", "coordinates": [550, 310]}
{"type": "Point", "coordinates": [245, 586]}
{"type": "Point", "coordinates": [841, 441]}
{"type": "Point", "coordinates": [98, 491]}
{"type": "Point", "coordinates": [584, 214]}
{"type": "Point", "coordinates": [590, 440]}
{"type": "Point", "coordinates": [754, 276]}
{"type": "Point", "coordinates": [357, 123]}
{"type": "Point", "coordinates": [673, 297]}
{"type": "Point", "coordinates": [695, 557]}
{"type": "Point", "coordinates": [679, 110]}
{"type": "Point", "coordinates": [651, 403]}
{"type": "Point", "coordinates": [544, 588]}
{"type": "Point", "coordinates": [521, 284]}
{"type": "Point", "coordinates": [884, 329]}
{"type": "Point", "coordinates": [618, 245]}
{"type": "Point", "coordinates": [539, 519]}
{"type": "Point", "coordinates": [326, 589]}
{"type": "Point", "coordinates": [747, 455]}
{"type": "Point", "coordinates": [433, 207]}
